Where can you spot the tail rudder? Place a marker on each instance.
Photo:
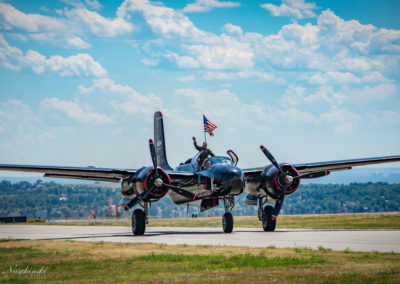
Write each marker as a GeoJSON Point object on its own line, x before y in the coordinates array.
{"type": "Point", "coordinates": [159, 141]}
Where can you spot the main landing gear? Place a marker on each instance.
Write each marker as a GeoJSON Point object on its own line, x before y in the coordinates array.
{"type": "Point", "coordinates": [227, 218]}
{"type": "Point", "coordinates": [265, 216]}
{"type": "Point", "coordinates": [139, 220]}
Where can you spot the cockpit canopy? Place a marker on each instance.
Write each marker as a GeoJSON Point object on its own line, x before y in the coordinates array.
{"type": "Point", "coordinates": [213, 160]}
{"type": "Point", "coordinates": [220, 160]}
{"type": "Point", "coordinates": [193, 162]}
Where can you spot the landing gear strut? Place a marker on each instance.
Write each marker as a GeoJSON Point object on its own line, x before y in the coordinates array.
{"type": "Point", "coordinates": [227, 218]}
{"type": "Point", "coordinates": [265, 216]}
{"type": "Point", "coordinates": [139, 220]}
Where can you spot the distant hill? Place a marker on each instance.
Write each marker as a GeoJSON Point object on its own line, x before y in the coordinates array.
{"type": "Point", "coordinates": [53, 200]}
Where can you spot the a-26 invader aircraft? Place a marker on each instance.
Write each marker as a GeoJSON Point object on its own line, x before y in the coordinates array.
{"type": "Point", "coordinates": [219, 179]}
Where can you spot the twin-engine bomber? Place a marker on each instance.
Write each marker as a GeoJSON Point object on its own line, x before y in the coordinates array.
{"type": "Point", "coordinates": [217, 180]}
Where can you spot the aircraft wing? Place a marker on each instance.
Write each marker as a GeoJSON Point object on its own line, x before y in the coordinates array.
{"type": "Point", "coordinates": [84, 173]}
{"type": "Point", "coordinates": [331, 165]}
{"type": "Point", "coordinates": [343, 164]}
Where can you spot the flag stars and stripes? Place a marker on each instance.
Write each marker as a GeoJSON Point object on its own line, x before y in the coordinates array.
{"type": "Point", "coordinates": [208, 126]}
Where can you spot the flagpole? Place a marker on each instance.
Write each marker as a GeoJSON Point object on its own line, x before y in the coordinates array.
{"type": "Point", "coordinates": [205, 136]}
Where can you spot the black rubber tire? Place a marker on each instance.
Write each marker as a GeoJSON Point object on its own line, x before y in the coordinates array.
{"type": "Point", "coordinates": [138, 222]}
{"type": "Point", "coordinates": [227, 222]}
{"type": "Point", "coordinates": [267, 223]}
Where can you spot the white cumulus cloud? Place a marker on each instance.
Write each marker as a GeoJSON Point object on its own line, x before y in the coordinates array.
{"type": "Point", "coordinates": [207, 5]}
{"type": "Point", "coordinates": [19, 123]}
{"type": "Point", "coordinates": [97, 24]}
{"type": "Point", "coordinates": [76, 65]}
{"type": "Point", "coordinates": [74, 109]}
{"type": "Point", "coordinates": [163, 20]}
{"type": "Point", "coordinates": [233, 29]}
{"type": "Point", "coordinates": [91, 4]}
{"type": "Point", "coordinates": [125, 98]}
{"type": "Point", "coordinates": [67, 28]}
{"type": "Point", "coordinates": [298, 9]}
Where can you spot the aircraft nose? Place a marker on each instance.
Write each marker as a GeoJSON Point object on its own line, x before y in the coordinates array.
{"type": "Point", "coordinates": [234, 180]}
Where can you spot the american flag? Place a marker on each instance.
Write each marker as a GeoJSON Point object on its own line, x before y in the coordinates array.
{"type": "Point", "coordinates": [208, 126]}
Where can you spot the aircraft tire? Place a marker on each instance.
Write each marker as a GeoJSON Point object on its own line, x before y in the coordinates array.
{"type": "Point", "coordinates": [138, 222]}
{"type": "Point", "coordinates": [227, 222]}
{"type": "Point", "coordinates": [267, 222]}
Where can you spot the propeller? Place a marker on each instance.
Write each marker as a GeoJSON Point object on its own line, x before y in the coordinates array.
{"type": "Point", "coordinates": [153, 155]}
{"type": "Point", "coordinates": [279, 202]}
{"type": "Point", "coordinates": [181, 191]}
{"type": "Point", "coordinates": [138, 198]}
{"type": "Point", "coordinates": [287, 179]}
{"type": "Point", "coordinates": [159, 182]}
{"type": "Point", "coordinates": [271, 158]}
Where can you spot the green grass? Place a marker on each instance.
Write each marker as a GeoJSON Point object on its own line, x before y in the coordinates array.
{"type": "Point", "coordinates": [215, 262]}
{"type": "Point", "coordinates": [83, 262]}
{"type": "Point", "coordinates": [328, 221]}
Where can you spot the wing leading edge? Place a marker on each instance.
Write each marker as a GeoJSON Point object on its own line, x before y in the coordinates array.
{"type": "Point", "coordinates": [115, 175]}
{"type": "Point", "coordinates": [343, 164]}
{"type": "Point", "coordinates": [84, 173]}
{"type": "Point", "coordinates": [89, 173]}
{"type": "Point", "coordinates": [331, 165]}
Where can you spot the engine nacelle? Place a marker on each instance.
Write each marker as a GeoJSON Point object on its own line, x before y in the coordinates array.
{"type": "Point", "coordinates": [142, 180]}
{"type": "Point", "coordinates": [273, 183]}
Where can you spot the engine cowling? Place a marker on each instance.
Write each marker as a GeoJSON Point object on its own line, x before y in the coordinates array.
{"type": "Point", "coordinates": [273, 182]}
{"type": "Point", "coordinates": [141, 181]}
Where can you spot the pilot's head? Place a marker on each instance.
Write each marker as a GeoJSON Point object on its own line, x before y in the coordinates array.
{"type": "Point", "coordinates": [204, 145]}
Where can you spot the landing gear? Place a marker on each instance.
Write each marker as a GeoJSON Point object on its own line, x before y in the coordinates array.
{"type": "Point", "coordinates": [227, 222]}
{"type": "Point", "coordinates": [267, 222]}
{"type": "Point", "coordinates": [227, 218]}
{"type": "Point", "coordinates": [265, 216]}
{"type": "Point", "coordinates": [138, 222]}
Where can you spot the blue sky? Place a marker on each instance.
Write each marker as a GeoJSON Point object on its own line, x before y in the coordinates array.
{"type": "Point", "coordinates": [311, 80]}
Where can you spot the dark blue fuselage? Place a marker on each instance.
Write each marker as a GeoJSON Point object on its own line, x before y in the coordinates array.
{"type": "Point", "coordinates": [219, 175]}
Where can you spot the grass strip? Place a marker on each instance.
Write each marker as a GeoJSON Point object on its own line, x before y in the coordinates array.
{"type": "Point", "coordinates": [325, 221]}
{"type": "Point", "coordinates": [83, 262]}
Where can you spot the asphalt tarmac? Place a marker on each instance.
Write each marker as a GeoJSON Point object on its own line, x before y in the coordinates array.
{"type": "Point", "coordinates": [355, 240]}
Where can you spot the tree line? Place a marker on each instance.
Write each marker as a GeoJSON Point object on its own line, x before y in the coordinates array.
{"type": "Point", "coordinates": [48, 200]}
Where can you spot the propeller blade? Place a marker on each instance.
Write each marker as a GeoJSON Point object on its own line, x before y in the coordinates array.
{"type": "Point", "coordinates": [271, 158]}
{"type": "Point", "coordinates": [181, 191]}
{"type": "Point", "coordinates": [153, 155]}
{"type": "Point", "coordinates": [279, 202]}
{"type": "Point", "coordinates": [138, 198]}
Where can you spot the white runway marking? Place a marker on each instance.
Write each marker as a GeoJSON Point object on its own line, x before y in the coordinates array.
{"type": "Point", "coordinates": [356, 240]}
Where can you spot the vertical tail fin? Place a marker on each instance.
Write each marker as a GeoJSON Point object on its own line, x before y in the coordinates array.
{"type": "Point", "coordinates": [159, 141]}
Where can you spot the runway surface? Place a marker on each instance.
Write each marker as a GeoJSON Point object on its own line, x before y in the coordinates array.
{"type": "Point", "coordinates": [356, 240]}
